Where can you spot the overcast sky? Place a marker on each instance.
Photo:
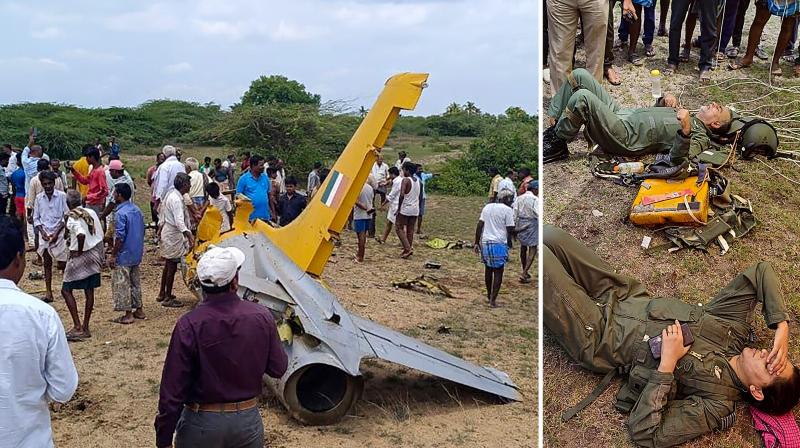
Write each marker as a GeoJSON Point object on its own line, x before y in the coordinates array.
{"type": "Point", "coordinates": [125, 52]}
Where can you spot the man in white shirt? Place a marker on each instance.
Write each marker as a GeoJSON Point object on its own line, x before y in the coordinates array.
{"type": "Point", "coordinates": [508, 183]}
{"type": "Point", "coordinates": [37, 365]}
{"type": "Point", "coordinates": [493, 241]}
{"type": "Point", "coordinates": [49, 210]}
{"type": "Point", "coordinates": [12, 159]}
{"type": "Point", "coordinates": [175, 237]}
{"type": "Point", "coordinates": [526, 217]}
{"type": "Point", "coordinates": [166, 172]}
{"type": "Point", "coordinates": [402, 158]}
{"type": "Point", "coordinates": [362, 216]}
{"type": "Point", "coordinates": [314, 181]}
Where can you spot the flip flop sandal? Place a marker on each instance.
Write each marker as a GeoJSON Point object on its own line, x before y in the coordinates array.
{"type": "Point", "coordinates": [46, 299]}
{"type": "Point", "coordinates": [686, 53]}
{"type": "Point", "coordinates": [737, 65]}
{"type": "Point", "coordinates": [75, 337]}
{"type": "Point", "coordinates": [635, 59]}
{"type": "Point", "coordinates": [118, 320]}
{"type": "Point", "coordinates": [777, 71]}
{"type": "Point", "coordinates": [649, 51]}
{"type": "Point", "coordinates": [732, 52]}
{"type": "Point", "coordinates": [172, 303]}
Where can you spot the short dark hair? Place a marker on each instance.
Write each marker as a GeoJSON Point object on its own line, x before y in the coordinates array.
{"type": "Point", "coordinates": [216, 289]}
{"type": "Point", "coordinates": [411, 167]}
{"type": "Point", "coordinates": [48, 175]}
{"type": "Point", "coordinates": [271, 170]}
{"type": "Point", "coordinates": [113, 157]}
{"type": "Point", "coordinates": [11, 240]}
{"type": "Point", "coordinates": [779, 397]}
{"type": "Point", "coordinates": [216, 161]}
{"type": "Point", "coordinates": [206, 158]}
{"type": "Point", "coordinates": [524, 172]}
{"type": "Point", "coordinates": [291, 180]}
{"type": "Point", "coordinates": [509, 171]}
{"type": "Point", "coordinates": [212, 189]}
{"type": "Point", "coordinates": [92, 152]}
{"type": "Point", "coordinates": [124, 190]}
{"type": "Point", "coordinates": [317, 165]}
{"type": "Point", "coordinates": [255, 159]}
{"type": "Point", "coordinates": [493, 171]}
{"type": "Point", "coordinates": [181, 180]}
{"type": "Point", "coordinates": [43, 165]}
{"type": "Point", "coordinates": [8, 145]}
{"type": "Point", "coordinates": [394, 170]}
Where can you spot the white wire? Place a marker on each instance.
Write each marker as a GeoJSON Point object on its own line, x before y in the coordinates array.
{"type": "Point", "coordinates": [777, 172]}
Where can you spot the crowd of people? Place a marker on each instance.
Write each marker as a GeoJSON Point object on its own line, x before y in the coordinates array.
{"type": "Point", "coordinates": [721, 26]}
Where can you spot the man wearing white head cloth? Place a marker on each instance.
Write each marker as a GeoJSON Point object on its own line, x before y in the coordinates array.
{"type": "Point", "coordinates": [217, 405]}
{"type": "Point", "coordinates": [166, 172]}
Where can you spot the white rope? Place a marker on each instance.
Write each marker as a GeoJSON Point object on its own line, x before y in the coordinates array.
{"type": "Point", "coordinates": [777, 172]}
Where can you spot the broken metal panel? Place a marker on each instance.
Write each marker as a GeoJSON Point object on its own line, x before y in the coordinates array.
{"type": "Point", "coordinates": [352, 337]}
{"type": "Point", "coordinates": [401, 349]}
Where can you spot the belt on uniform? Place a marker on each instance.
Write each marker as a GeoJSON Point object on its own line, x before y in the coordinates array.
{"type": "Point", "coordinates": [223, 407]}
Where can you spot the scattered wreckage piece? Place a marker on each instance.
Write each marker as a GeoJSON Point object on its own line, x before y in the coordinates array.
{"type": "Point", "coordinates": [426, 283]}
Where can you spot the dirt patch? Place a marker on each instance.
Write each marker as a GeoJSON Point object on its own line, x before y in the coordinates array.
{"type": "Point", "coordinates": [571, 193]}
{"type": "Point", "coordinates": [120, 366]}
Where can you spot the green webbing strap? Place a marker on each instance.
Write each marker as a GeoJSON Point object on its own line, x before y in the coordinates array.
{"type": "Point", "coordinates": [598, 390]}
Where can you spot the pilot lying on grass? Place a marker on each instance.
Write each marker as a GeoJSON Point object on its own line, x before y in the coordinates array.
{"type": "Point", "coordinates": [628, 132]}
{"type": "Point", "coordinates": [604, 320]}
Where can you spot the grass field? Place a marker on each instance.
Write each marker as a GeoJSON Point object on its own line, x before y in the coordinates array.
{"type": "Point", "coordinates": [571, 194]}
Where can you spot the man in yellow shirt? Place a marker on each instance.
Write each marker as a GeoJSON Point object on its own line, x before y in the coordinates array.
{"type": "Point", "coordinates": [496, 178]}
{"type": "Point", "coordinates": [82, 167]}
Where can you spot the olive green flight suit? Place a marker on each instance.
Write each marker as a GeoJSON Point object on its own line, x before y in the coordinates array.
{"type": "Point", "coordinates": [619, 131]}
{"type": "Point", "coordinates": [603, 320]}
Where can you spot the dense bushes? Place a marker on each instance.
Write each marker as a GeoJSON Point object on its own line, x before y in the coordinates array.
{"type": "Point", "coordinates": [63, 129]}
{"type": "Point", "coordinates": [510, 142]}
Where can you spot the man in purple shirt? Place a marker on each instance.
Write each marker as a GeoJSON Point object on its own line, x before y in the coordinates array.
{"type": "Point", "coordinates": [216, 359]}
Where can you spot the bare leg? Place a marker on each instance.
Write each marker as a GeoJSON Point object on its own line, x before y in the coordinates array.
{"type": "Point", "coordinates": [362, 244]}
{"type": "Point", "coordinates": [498, 280]}
{"type": "Point", "coordinates": [488, 279]}
{"type": "Point", "coordinates": [48, 274]}
{"type": "Point", "coordinates": [419, 224]}
{"type": "Point", "coordinates": [87, 310]}
{"type": "Point", "coordinates": [387, 231]}
{"type": "Point", "coordinates": [754, 36]}
{"type": "Point", "coordinates": [400, 229]}
{"type": "Point", "coordinates": [170, 267]}
{"type": "Point", "coordinates": [529, 261]}
{"type": "Point", "coordinates": [410, 233]}
{"type": "Point", "coordinates": [523, 258]}
{"type": "Point", "coordinates": [162, 292]}
{"type": "Point", "coordinates": [69, 298]}
{"type": "Point", "coordinates": [787, 27]}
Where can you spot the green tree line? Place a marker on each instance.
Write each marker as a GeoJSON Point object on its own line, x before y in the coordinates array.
{"type": "Point", "coordinates": [276, 116]}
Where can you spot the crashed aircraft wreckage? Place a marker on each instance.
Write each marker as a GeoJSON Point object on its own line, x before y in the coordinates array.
{"type": "Point", "coordinates": [324, 341]}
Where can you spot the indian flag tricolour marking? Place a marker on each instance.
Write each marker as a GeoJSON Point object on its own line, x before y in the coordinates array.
{"type": "Point", "coordinates": [335, 191]}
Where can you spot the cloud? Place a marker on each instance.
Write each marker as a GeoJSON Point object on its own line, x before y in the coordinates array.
{"type": "Point", "coordinates": [223, 28]}
{"type": "Point", "coordinates": [155, 18]}
{"type": "Point", "coordinates": [383, 15]}
{"type": "Point", "coordinates": [46, 33]}
{"type": "Point", "coordinates": [89, 55]}
{"type": "Point", "coordinates": [291, 32]}
{"type": "Point", "coordinates": [22, 63]}
{"type": "Point", "coordinates": [178, 68]}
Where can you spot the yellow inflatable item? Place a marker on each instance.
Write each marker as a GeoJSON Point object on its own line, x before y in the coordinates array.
{"type": "Point", "coordinates": [671, 201]}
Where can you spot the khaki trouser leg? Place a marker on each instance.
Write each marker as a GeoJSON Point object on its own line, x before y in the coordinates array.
{"type": "Point", "coordinates": [577, 288]}
{"type": "Point", "coordinates": [603, 125]}
{"type": "Point", "coordinates": [562, 24]}
{"type": "Point", "coordinates": [594, 16]}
